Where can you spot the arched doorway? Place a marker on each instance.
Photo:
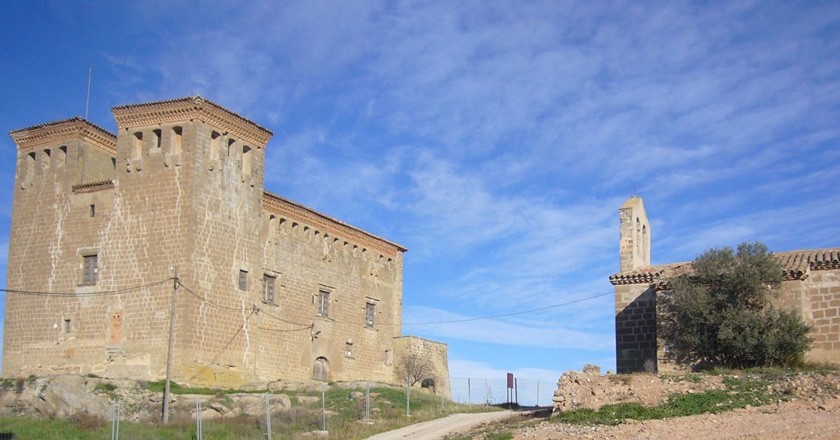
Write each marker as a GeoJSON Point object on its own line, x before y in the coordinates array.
{"type": "Point", "coordinates": [428, 384]}
{"type": "Point", "coordinates": [321, 369]}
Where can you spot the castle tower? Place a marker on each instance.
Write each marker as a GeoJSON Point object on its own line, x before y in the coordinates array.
{"type": "Point", "coordinates": [634, 244]}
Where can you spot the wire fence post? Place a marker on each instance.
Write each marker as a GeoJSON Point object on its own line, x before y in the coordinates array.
{"type": "Point", "coordinates": [469, 392]}
{"type": "Point", "coordinates": [267, 417]}
{"type": "Point", "coordinates": [367, 403]}
{"type": "Point", "coordinates": [408, 397]}
{"type": "Point", "coordinates": [198, 427]}
{"type": "Point", "coordinates": [323, 407]}
{"type": "Point", "coordinates": [115, 421]}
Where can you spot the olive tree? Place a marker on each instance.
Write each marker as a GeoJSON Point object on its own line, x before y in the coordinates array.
{"type": "Point", "coordinates": [722, 314]}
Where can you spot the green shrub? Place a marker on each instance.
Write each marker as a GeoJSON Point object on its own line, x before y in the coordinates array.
{"type": "Point", "coordinates": [721, 314]}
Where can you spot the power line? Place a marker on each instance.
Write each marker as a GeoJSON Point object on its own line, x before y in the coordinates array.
{"type": "Point", "coordinates": [554, 306]}
{"type": "Point", "coordinates": [203, 299]}
{"type": "Point", "coordinates": [225, 347]}
{"type": "Point", "coordinates": [74, 294]}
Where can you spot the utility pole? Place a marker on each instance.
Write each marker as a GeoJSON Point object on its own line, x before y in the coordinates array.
{"type": "Point", "coordinates": [175, 283]}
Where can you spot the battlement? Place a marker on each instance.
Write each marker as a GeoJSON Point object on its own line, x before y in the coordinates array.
{"type": "Point", "coordinates": [188, 109]}
{"type": "Point", "coordinates": [64, 131]}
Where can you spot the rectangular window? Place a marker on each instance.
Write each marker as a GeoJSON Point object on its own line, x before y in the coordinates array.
{"type": "Point", "coordinates": [370, 314]}
{"type": "Point", "coordinates": [67, 326]}
{"type": "Point", "coordinates": [324, 303]}
{"type": "Point", "coordinates": [92, 210]}
{"type": "Point", "coordinates": [90, 269]}
{"type": "Point", "coordinates": [348, 349]}
{"type": "Point", "coordinates": [268, 288]}
{"type": "Point", "coordinates": [243, 279]}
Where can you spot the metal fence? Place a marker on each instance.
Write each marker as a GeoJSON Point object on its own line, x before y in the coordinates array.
{"type": "Point", "coordinates": [526, 392]}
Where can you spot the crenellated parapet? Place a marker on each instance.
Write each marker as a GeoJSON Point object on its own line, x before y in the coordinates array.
{"type": "Point", "coordinates": [66, 130]}
{"type": "Point", "coordinates": [292, 212]}
{"type": "Point", "coordinates": [192, 108]}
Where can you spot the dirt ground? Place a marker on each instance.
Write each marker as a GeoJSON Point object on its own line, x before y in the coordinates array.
{"type": "Point", "coordinates": [807, 406]}
{"type": "Point", "coordinates": [799, 419]}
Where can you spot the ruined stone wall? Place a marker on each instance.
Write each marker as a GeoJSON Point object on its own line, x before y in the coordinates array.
{"type": "Point", "coordinates": [434, 351]}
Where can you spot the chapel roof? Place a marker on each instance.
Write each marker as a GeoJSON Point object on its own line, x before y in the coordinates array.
{"type": "Point", "coordinates": [795, 265]}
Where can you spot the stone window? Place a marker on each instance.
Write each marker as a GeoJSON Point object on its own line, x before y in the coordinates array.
{"type": "Point", "coordinates": [230, 146]}
{"type": "Point", "coordinates": [269, 282]}
{"type": "Point", "coordinates": [246, 160]}
{"type": "Point", "coordinates": [90, 269]}
{"type": "Point", "coordinates": [243, 279]}
{"type": "Point", "coordinates": [324, 302]}
{"type": "Point", "coordinates": [370, 314]}
{"type": "Point", "coordinates": [215, 139]}
{"type": "Point", "coordinates": [67, 326]}
{"type": "Point", "coordinates": [45, 159]}
{"type": "Point", "coordinates": [348, 348]}
{"type": "Point", "coordinates": [137, 145]}
{"type": "Point", "coordinates": [156, 135]}
{"type": "Point", "coordinates": [177, 140]}
{"type": "Point", "coordinates": [29, 174]}
{"type": "Point", "coordinates": [92, 210]}
{"type": "Point", "coordinates": [61, 156]}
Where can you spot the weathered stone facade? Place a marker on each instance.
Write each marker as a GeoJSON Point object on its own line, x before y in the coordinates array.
{"type": "Point", "coordinates": [436, 353]}
{"type": "Point", "coordinates": [268, 289]}
{"type": "Point", "coordinates": [811, 285]}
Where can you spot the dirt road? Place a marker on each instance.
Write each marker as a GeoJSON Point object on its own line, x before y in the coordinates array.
{"type": "Point", "coordinates": [437, 429]}
{"type": "Point", "coordinates": [784, 421]}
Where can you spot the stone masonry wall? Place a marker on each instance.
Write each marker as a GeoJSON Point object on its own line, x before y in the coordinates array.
{"type": "Point", "coordinates": [180, 188]}
{"type": "Point", "coordinates": [635, 328]}
{"type": "Point", "coordinates": [434, 351]}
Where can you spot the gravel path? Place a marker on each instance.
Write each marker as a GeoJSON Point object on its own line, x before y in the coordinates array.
{"type": "Point", "coordinates": [784, 421]}
{"type": "Point", "coordinates": [438, 428]}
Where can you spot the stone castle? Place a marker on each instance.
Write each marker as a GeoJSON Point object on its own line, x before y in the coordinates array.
{"type": "Point", "coordinates": [114, 235]}
{"type": "Point", "coordinates": [811, 285]}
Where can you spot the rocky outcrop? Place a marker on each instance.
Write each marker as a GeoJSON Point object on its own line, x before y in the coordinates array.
{"type": "Point", "coordinates": [590, 389]}
{"type": "Point", "coordinates": [66, 396]}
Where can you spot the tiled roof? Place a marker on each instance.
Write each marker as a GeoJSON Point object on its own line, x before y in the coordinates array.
{"type": "Point", "coordinates": [795, 264]}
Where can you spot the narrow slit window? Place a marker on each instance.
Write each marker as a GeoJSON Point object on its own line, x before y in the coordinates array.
{"type": "Point", "coordinates": [269, 283]}
{"type": "Point", "coordinates": [215, 139]}
{"type": "Point", "coordinates": [370, 314]}
{"type": "Point", "coordinates": [67, 326]}
{"type": "Point", "coordinates": [156, 135]}
{"type": "Point", "coordinates": [93, 210]}
{"type": "Point", "coordinates": [324, 303]}
{"type": "Point", "coordinates": [246, 160]}
{"type": "Point", "coordinates": [61, 156]}
{"type": "Point", "coordinates": [177, 140]}
{"type": "Point", "coordinates": [243, 280]}
{"type": "Point", "coordinates": [90, 269]}
{"type": "Point", "coordinates": [45, 159]}
{"type": "Point", "coordinates": [137, 145]}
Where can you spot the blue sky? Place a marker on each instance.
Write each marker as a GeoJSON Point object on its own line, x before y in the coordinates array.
{"type": "Point", "coordinates": [496, 140]}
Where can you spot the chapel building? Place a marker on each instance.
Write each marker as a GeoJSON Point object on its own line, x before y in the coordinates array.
{"type": "Point", "coordinates": [811, 285]}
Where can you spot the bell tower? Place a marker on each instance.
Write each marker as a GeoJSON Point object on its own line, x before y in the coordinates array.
{"type": "Point", "coordinates": [634, 243]}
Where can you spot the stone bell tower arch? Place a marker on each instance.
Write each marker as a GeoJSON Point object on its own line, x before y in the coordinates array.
{"type": "Point", "coordinates": [634, 242]}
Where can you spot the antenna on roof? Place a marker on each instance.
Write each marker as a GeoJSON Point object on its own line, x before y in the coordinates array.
{"type": "Point", "coordinates": [87, 99]}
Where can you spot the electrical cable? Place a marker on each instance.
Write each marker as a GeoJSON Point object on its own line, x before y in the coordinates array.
{"type": "Point", "coordinates": [207, 300]}
{"type": "Point", "coordinates": [74, 294]}
{"type": "Point", "coordinates": [225, 347]}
